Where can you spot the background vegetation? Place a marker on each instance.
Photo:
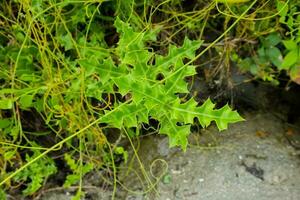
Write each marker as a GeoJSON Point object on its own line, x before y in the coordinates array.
{"type": "Point", "coordinates": [79, 77]}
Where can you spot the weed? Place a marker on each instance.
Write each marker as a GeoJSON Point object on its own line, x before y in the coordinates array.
{"type": "Point", "coordinates": [73, 71]}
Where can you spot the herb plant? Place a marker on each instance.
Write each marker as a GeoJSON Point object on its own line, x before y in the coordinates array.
{"type": "Point", "coordinates": [76, 73]}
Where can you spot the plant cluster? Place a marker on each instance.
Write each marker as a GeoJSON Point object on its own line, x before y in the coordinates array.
{"type": "Point", "coordinates": [278, 49]}
{"type": "Point", "coordinates": [76, 73]}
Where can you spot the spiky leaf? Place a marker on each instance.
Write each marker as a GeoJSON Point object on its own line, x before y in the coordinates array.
{"type": "Point", "coordinates": [154, 98]}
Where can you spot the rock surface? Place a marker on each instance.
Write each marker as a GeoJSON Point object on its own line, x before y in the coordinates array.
{"type": "Point", "coordinates": [252, 160]}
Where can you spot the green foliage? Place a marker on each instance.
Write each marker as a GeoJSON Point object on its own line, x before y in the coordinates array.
{"type": "Point", "coordinates": [268, 55]}
{"type": "Point", "coordinates": [121, 151]}
{"type": "Point", "coordinates": [2, 194]}
{"type": "Point", "coordinates": [6, 104]}
{"type": "Point", "coordinates": [278, 51]}
{"type": "Point", "coordinates": [78, 170]}
{"type": "Point", "coordinates": [154, 98]}
{"type": "Point", "coordinates": [70, 67]}
{"type": "Point", "coordinates": [36, 173]}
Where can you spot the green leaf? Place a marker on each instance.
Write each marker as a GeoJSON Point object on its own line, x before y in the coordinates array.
{"type": "Point", "coordinates": [271, 40]}
{"type": "Point", "coordinates": [290, 44]}
{"type": "Point", "coordinates": [175, 57]}
{"type": "Point", "coordinates": [123, 152]}
{"type": "Point", "coordinates": [79, 15]}
{"type": "Point", "coordinates": [14, 132]}
{"type": "Point", "coordinates": [87, 168]}
{"type": "Point", "coordinates": [131, 45]}
{"type": "Point", "coordinates": [71, 179]}
{"type": "Point", "coordinates": [33, 78]}
{"type": "Point", "coordinates": [89, 66]}
{"type": "Point", "coordinates": [126, 115]}
{"type": "Point", "coordinates": [108, 70]}
{"type": "Point", "coordinates": [2, 194]}
{"type": "Point", "coordinates": [66, 41]}
{"type": "Point", "coordinates": [4, 123]}
{"type": "Point", "coordinates": [36, 5]}
{"type": "Point", "coordinates": [290, 59]}
{"type": "Point", "coordinates": [6, 104]}
{"type": "Point", "coordinates": [157, 99]}
{"type": "Point", "coordinates": [78, 170]}
{"type": "Point", "coordinates": [26, 101]}
{"type": "Point", "coordinates": [282, 8]}
{"type": "Point", "coordinates": [295, 74]}
{"type": "Point", "coordinates": [177, 134]}
{"type": "Point", "coordinates": [78, 196]}
{"type": "Point", "coordinates": [224, 116]}
{"type": "Point", "coordinates": [35, 173]}
{"type": "Point", "coordinates": [70, 161]}
{"type": "Point", "coordinates": [176, 82]}
{"type": "Point", "coordinates": [248, 64]}
{"type": "Point", "coordinates": [167, 179]}
{"type": "Point", "coordinates": [274, 56]}
{"type": "Point", "coordinates": [39, 105]}
{"type": "Point", "coordinates": [261, 54]}
{"type": "Point", "coordinates": [9, 155]}
{"type": "Point", "coordinates": [94, 89]}
{"type": "Point", "coordinates": [206, 113]}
